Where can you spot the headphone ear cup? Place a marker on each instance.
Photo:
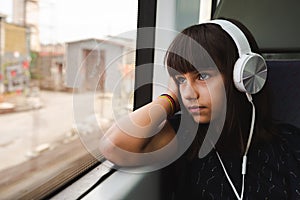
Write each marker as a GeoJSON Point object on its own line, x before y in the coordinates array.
{"type": "Point", "coordinates": [250, 73]}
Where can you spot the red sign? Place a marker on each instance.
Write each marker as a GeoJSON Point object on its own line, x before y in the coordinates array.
{"type": "Point", "coordinates": [25, 64]}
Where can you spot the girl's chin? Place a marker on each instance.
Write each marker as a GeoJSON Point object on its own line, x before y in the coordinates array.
{"type": "Point", "coordinates": [201, 119]}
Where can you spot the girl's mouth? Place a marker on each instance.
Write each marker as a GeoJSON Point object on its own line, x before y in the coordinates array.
{"type": "Point", "coordinates": [196, 109]}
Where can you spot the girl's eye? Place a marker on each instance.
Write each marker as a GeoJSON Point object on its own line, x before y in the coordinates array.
{"type": "Point", "coordinates": [203, 76]}
{"type": "Point", "coordinates": [180, 79]}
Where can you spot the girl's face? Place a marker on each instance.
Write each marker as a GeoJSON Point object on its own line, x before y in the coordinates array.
{"type": "Point", "coordinates": [202, 94]}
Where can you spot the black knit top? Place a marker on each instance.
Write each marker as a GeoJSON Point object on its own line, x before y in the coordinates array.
{"type": "Point", "coordinates": [273, 171]}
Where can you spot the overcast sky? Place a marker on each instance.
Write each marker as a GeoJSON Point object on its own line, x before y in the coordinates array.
{"type": "Point", "coordinates": [68, 20]}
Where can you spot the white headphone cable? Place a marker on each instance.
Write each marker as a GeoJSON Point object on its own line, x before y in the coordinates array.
{"type": "Point", "coordinates": [228, 178]}
{"type": "Point", "coordinates": [244, 163]}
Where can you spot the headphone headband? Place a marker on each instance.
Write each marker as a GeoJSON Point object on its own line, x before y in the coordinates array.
{"type": "Point", "coordinates": [236, 34]}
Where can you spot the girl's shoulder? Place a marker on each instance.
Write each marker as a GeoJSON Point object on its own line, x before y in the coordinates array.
{"type": "Point", "coordinates": [288, 129]}
{"type": "Point", "coordinates": [290, 136]}
{"type": "Point", "coordinates": [284, 149]}
{"type": "Point", "coordinates": [285, 141]}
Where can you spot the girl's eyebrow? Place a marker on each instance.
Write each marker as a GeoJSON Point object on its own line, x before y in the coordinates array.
{"type": "Point", "coordinates": [208, 69]}
{"type": "Point", "coordinates": [205, 70]}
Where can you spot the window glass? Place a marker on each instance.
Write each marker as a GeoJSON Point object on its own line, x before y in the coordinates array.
{"type": "Point", "coordinates": [172, 17]}
{"type": "Point", "coordinates": [67, 71]}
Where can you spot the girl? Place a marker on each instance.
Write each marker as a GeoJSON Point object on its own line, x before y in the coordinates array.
{"type": "Point", "coordinates": [210, 137]}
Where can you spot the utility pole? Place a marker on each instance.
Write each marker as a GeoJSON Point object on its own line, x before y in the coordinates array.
{"type": "Point", "coordinates": [2, 18]}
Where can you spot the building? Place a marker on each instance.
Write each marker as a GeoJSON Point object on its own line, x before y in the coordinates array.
{"type": "Point", "coordinates": [26, 13]}
{"type": "Point", "coordinates": [49, 67]}
{"type": "Point", "coordinates": [14, 59]}
{"type": "Point", "coordinates": [105, 65]}
{"type": "Point", "coordinates": [17, 40]}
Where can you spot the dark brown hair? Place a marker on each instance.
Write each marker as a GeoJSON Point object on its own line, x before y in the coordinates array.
{"type": "Point", "coordinates": [188, 53]}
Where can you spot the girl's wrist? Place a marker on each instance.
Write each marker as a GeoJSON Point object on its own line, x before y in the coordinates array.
{"type": "Point", "coordinates": [170, 102]}
{"type": "Point", "coordinates": [174, 97]}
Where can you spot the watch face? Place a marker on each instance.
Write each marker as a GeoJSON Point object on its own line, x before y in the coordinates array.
{"type": "Point", "coordinates": [254, 74]}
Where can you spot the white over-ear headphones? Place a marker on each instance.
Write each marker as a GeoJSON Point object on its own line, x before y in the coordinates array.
{"type": "Point", "coordinates": [250, 70]}
{"type": "Point", "coordinates": [249, 76]}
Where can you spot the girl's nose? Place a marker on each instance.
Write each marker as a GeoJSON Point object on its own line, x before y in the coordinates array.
{"type": "Point", "coordinates": [190, 92]}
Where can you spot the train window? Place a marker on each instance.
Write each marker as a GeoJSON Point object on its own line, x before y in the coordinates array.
{"type": "Point", "coordinates": [158, 22]}
{"type": "Point", "coordinates": [156, 28]}
{"type": "Point", "coordinates": [67, 71]}
{"type": "Point", "coordinates": [168, 24]}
